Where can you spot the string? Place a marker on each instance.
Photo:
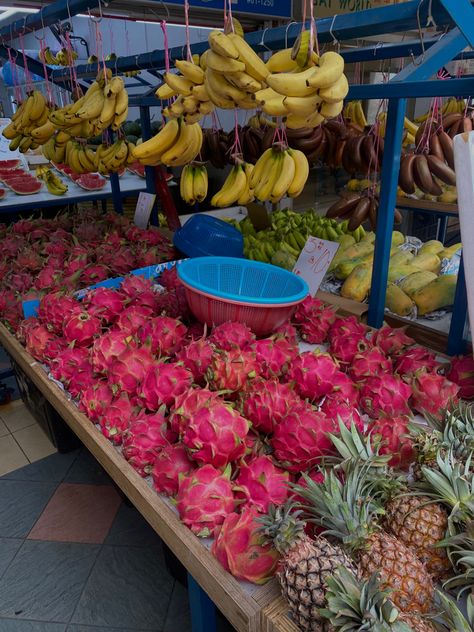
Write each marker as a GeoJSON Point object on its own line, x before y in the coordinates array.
{"type": "Point", "coordinates": [28, 82]}
{"type": "Point", "coordinates": [166, 45]}
{"type": "Point", "coordinates": [72, 67]}
{"type": "Point", "coordinates": [49, 91]}
{"type": "Point", "coordinates": [189, 56]}
{"type": "Point", "coordinates": [16, 87]}
{"type": "Point", "coordinates": [313, 39]}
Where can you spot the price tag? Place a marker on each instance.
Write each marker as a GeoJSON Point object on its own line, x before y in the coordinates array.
{"type": "Point", "coordinates": [143, 211]}
{"type": "Point", "coordinates": [314, 260]}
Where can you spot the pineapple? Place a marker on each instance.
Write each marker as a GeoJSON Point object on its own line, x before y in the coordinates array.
{"type": "Point", "coordinates": [304, 567]}
{"type": "Point", "coordinates": [349, 512]}
{"type": "Point", "coordinates": [460, 549]}
{"type": "Point", "coordinates": [451, 617]}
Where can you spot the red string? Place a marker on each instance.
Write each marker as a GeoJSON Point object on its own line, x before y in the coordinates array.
{"type": "Point", "coordinates": [236, 146]}
{"type": "Point", "coordinates": [166, 45]}
{"type": "Point", "coordinates": [49, 91]}
{"type": "Point", "coordinates": [16, 88]}
{"type": "Point", "coordinates": [25, 62]}
{"type": "Point", "coordinates": [313, 33]}
{"type": "Point", "coordinates": [230, 16]}
{"type": "Point", "coordinates": [72, 67]}
{"type": "Point", "coordinates": [186, 27]}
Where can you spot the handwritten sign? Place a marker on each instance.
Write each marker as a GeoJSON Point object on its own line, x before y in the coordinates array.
{"type": "Point", "coordinates": [314, 260]}
{"type": "Point", "coordinates": [143, 210]}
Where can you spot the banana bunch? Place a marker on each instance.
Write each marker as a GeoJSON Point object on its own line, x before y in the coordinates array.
{"type": "Point", "coordinates": [30, 126]}
{"type": "Point", "coordinates": [411, 129]}
{"type": "Point", "coordinates": [79, 158]}
{"type": "Point", "coordinates": [236, 188]}
{"type": "Point", "coordinates": [64, 57]}
{"type": "Point", "coordinates": [278, 173]}
{"type": "Point", "coordinates": [113, 158]}
{"type": "Point", "coordinates": [354, 113]}
{"type": "Point", "coordinates": [175, 145]}
{"type": "Point", "coordinates": [53, 182]}
{"type": "Point", "coordinates": [306, 97]}
{"type": "Point", "coordinates": [451, 106]}
{"type": "Point", "coordinates": [193, 183]}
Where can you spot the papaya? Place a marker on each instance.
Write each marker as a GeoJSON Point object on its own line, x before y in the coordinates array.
{"type": "Point", "coordinates": [427, 261]}
{"type": "Point", "coordinates": [369, 236]}
{"type": "Point", "coordinates": [437, 294]}
{"type": "Point", "coordinates": [398, 238]}
{"type": "Point", "coordinates": [345, 241]}
{"type": "Point", "coordinates": [433, 246]}
{"type": "Point", "coordinates": [400, 271]}
{"type": "Point", "coordinates": [359, 250]}
{"type": "Point", "coordinates": [401, 256]}
{"type": "Point", "coordinates": [416, 281]}
{"type": "Point", "coordinates": [345, 267]}
{"type": "Point", "coordinates": [448, 253]}
{"type": "Point", "coordinates": [397, 301]}
{"type": "Point", "coordinates": [357, 284]}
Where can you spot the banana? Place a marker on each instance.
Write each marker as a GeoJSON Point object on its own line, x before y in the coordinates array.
{"type": "Point", "coordinates": [331, 110]}
{"type": "Point", "coordinates": [285, 179]}
{"type": "Point", "coordinates": [160, 143]}
{"type": "Point", "coordinates": [292, 84]}
{"type": "Point", "coordinates": [254, 66]}
{"type": "Point", "coordinates": [302, 106]}
{"type": "Point", "coordinates": [43, 133]}
{"type": "Point", "coordinates": [293, 121]}
{"type": "Point", "coordinates": [264, 189]}
{"type": "Point", "coordinates": [218, 100]}
{"type": "Point", "coordinates": [206, 107]}
{"type": "Point", "coordinates": [281, 61]}
{"type": "Point", "coordinates": [301, 52]}
{"type": "Point", "coordinates": [119, 120]}
{"type": "Point", "coordinates": [10, 132]}
{"type": "Point", "coordinates": [329, 70]}
{"type": "Point", "coordinates": [245, 82]}
{"type": "Point", "coordinates": [222, 45]}
{"type": "Point", "coordinates": [301, 172]}
{"type": "Point", "coordinates": [247, 195]}
{"type": "Point", "coordinates": [121, 103]}
{"type": "Point", "coordinates": [271, 102]}
{"type": "Point", "coordinates": [360, 118]}
{"type": "Point", "coordinates": [108, 109]}
{"type": "Point", "coordinates": [165, 92]}
{"type": "Point", "coordinates": [190, 71]}
{"type": "Point", "coordinates": [260, 167]}
{"type": "Point", "coordinates": [25, 144]}
{"type": "Point", "coordinates": [186, 147]}
{"type": "Point", "coordinates": [219, 85]}
{"type": "Point", "coordinates": [114, 86]}
{"type": "Point", "coordinates": [92, 106]}
{"type": "Point", "coordinates": [200, 92]}
{"type": "Point", "coordinates": [190, 105]}
{"type": "Point", "coordinates": [336, 92]}
{"type": "Point", "coordinates": [225, 196]}
{"type": "Point", "coordinates": [200, 183]}
{"type": "Point", "coordinates": [186, 185]}
{"type": "Point", "coordinates": [38, 105]}
{"type": "Point", "coordinates": [179, 84]}
{"type": "Point", "coordinates": [15, 143]}
{"type": "Point", "coordinates": [223, 65]}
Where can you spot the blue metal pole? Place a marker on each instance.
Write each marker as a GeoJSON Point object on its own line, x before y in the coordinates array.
{"type": "Point", "coordinates": [116, 193]}
{"type": "Point", "coordinates": [387, 201]}
{"type": "Point", "coordinates": [456, 342]}
{"type": "Point", "coordinates": [462, 13]}
{"type": "Point", "coordinates": [203, 610]}
{"type": "Point", "coordinates": [146, 134]}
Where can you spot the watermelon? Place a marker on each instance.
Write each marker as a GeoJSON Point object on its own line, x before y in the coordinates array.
{"type": "Point", "coordinates": [8, 173]}
{"type": "Point", "coordinates": [25, 187]}
{"type": "Point", "coordinates": [119, 172]}
{"type": "Point", "coordinates": [138, 169]}
{"type": "Point", "coordinates": [91, 181]}
{"type": "Point", "coordinates": [2, 193]}
{"type": "Point", "coordinates": [9, 164]}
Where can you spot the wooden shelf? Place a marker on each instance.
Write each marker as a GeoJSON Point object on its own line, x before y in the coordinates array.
{"type": "Point", "coordinates": [427, 205]}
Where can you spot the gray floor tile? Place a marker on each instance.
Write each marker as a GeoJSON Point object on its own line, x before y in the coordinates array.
{"type": "Point", "coordinates": [8, 549]}
{"type": "Point", "coordinates": [131, 529]}
{"type": "Point", "coordinates": [88, 471]}
{"type": "Point", "coordinates": [21, 504]}
{"type": "Point", "coordinates": [128, 587]}
{"type": "Point", "coordinates": [45, 580]}
{"type": "Point", "coordinates": [53, 468]}
{"type": "Point", "coordinates": [179, 617]}
{"type": "Point", "coordinates": [9, 625]}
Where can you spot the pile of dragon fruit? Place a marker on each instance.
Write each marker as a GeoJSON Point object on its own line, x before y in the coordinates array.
{"type": "Point", "coordinates": [221, 420]}
{"type": "Point", "coordinates": [69, 252]}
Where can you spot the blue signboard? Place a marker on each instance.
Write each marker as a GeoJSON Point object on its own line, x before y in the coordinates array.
{"type": "Point", "coordinates": [265, 8]}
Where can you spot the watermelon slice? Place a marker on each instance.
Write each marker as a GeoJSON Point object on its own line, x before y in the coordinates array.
{"type": "Point", "coordinates": [91, 181]}
{"type": "Point", "coordinates": [2, 193]}
{"type": "Point", "coordinates": [8, 173]}
{"type": "Point", "coordinates": [9, 164]}
{"type": "Point", "coordinates": [120, 172]}
{"type": "Point", "coordinates": [138, 169]}
{"type": "Point", "coordinates": [25, 187]}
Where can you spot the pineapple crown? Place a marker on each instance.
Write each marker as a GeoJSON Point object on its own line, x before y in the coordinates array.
{"type": "Point", "coordinates": [355, 604]}
{"type": "Point", "coordinates": [283, 526]}
{"type": "Point", "coordinates": [353, 446]}
{"type": "Point", "coordinates": [460, 549]}
{"type": "Point", "coordinates": [451, 617]}
{"type": "Point", "coordinates": [349, 510]}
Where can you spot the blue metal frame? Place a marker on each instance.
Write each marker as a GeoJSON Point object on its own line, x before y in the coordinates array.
{"type": "Point", "coordinates": [203, 610]}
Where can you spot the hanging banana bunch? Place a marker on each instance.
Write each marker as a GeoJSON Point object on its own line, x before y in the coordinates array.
{"type": "Point", "coordinates": [279, 172]}
{"type": "Point", "coordinates": [30, 127]}
{"type": "Point", "coordinates": [193, 184]}
{"type": "Point", "coordinates": [175, 145]}
{"type": "Point", "coordinates": [236, 188]}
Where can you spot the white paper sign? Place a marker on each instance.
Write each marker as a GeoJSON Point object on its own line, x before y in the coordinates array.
{"type": "Point", "coordinates": [314, 260]}
{"type": "Point", "coordinates": [144, 207]}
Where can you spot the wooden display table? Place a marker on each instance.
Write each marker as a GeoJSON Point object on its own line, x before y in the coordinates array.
{"type": "Point", "coordinates": [243, 604]}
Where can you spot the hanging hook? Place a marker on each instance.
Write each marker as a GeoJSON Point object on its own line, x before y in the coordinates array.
{"type": "Point", "coordinates": [335, 41]}
{"type": "Point", "coordinates": [286, 31]}
{"type": "Point", "coordinates": [100, 18]}
{"type": "Point", "coordinates": [165, 7]}
{"type": "Point", "coordinates": [262, 41]}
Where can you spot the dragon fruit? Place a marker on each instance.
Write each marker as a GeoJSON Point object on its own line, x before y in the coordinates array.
{"type": "Point", "coordinates": [94, 273]}
{"type": "Point", "coordinates": [169, 279]}
{"type": "Point", "coordinates": [307, 308]}
{"type": "Point", "coordinates": [230, 336]}
{"type": "Point", "coordinates": [70, 363]}
{"type": "Point", "coordinates": [385, 394]}
{"type": "Point", "coordinates": [24, 327]}
{"type": "Point", "coordinates": [433, 394]}
{"type": "Point", "coordinates": [80, 382]}
{"type": "Point", "coordinates": [344, 390]}
{"type": "Point", "coordinates": [117, 418]}
{"type": "Point", "coordinates": [345, 347]}
{"type": "Point", "coordinates": [347, 326]}
{"type": "Point", "coordinates": [261, 483]}
{"type": "Point", "coordinates": [54, 308]}
{"type": "Point", "coordinates": [164, 336]}
{"type": "Point", "coordinates": [37, 340]}
{"type": "Point", "coordinates": [81, 329]}
{"type": "Point", "coordinates": [187, 404]}
{"type": "Point", "coordinates": [312, 373]}
{"type": "Point", "coordinates": [215, 435]}
{"type": "Point", "coordinates": [204, 499]}
{"type": "Point", "coordinates": [108, 348]}
{"type": "Point", "coordinates": [265, 403]}
{"type": "Point", "coordinates": [287, 331]}
{"type": "Point", "coordinates": [170, 464]}
{"type": "Point", "coordinates": [29, 260]}
{"type": "Point", "coordinates": [54, 348]}
{"type": "Point", "coordinates": [96, 399]}
{"type": "Point", "coordinates": [461, 372]}
{"type": "Point", "coordinates": [392, 341]}
{"type": "Point", "coordinates": [127, 372]}
{"type": "Point", "coordinates": [416, 359]}
{"type": "Point", "coordinates": [196, 356]}
{"type": "Point", "coordinates": [173, 304]}
{"type": "Point", "coordinates": [301, 439]}
{"type": "Point", "coordinates": [274, 356]}
{"type": "Point", "coordinates": [134, 285]}
{"type": "Point", "coordinates": [105, 303]}
{"type": "Point", "coordinates": [231, 370]}
{"type": "Point", "coordinates": [163, 383]}
{"type": "Point", "coordinates": [393, 434]}
{"type": "Point", "coordinates": [314, 320]}
{"type": "Point", "coordinates": [336, 410]}
{"type": "Point", "coordinates": [133, 318]}
{"type": "Point", "coordinates": [142, 441]}
{"type": "Point", "coordinates": [241, 548]}
{"type": "Point", "coordinates": [123, 261]}
{"type": "Point", "coordinates": [369, 363]}
{"type": "Point", "coordinates": [47, 278]}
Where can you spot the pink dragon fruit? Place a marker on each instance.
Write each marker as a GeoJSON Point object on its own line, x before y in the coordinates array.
{"type": "Point", "coordinates": [392, 341]}
{"type": "Point", "coordinates": [312, 373]}
{"type": "Point", "coordinates": [265, 403]}
{"type": "Point", "coordinates": [344, 390]}
{"type": "Point", "coordinates": [29, 260]}
{"type": "Point", "coordinates": [55, 347]}
{"type": "Point", "coordinates": [347, 326]}
{"type": "Point", "coordinates": [274, 356]}
{"type": "Point", "coordinates": [385, 394]}
{"type": "Point", "coordinates": [170, 464]}
{"type": "Point", "coordinates": [47, 278]}
{"type": "Point", "coordinates": [301, 439]}
{"type": "Point", "coordinates": [81, 329]}
{"type": "Point", "coordinates": [336, 410]}
{"type": "Point", "coordinates": [261, 483]}
{"type": "Point", "coordinates": [230, 336]}
{"type": "Point", "coordinates": [108, 348]}
{"type": "Point", "coordinates": [461, 372]}
{"type": "Point", "coordinates": [196, 331]}
{"type": "Point", "coordinates": [117, 418]}
{"type": "Point", "coordinates": [123, 261]}
{"type": "Point", "coordinates": [163, 383]}
{"type": "Point", "coordinates": [70, 363]}
{"type": "Point", "coordinates": [187, 404]}
{"type": "Point", "coordinates": [173, 304]}
{"type": "Point", "coordinates": [37, 340]}
{"type": "Point", "coordinates": [314, 320]}
{"type": "Point", "coordinates": [204, 500]}
{"type": "Point", "coordinates": [433, 393]}
{"type": "Point", "coordinates": [345, 347]}
{"type": "Point", "coordinates": [416, 359]}
{"type": "Point", "coordinates": [164, 336]}
{"type": "Point", "coordinates": [25, 326]}
{"type": "Point", "coordinates": [94, 273]}
{"type": "Point", "coordinates": [135, 285]}
{"type": "Point", "coordinates": [142, 441]}
{"type": "Point", "coordinates": [393, 434]}
{"type": "Point", "coordinates": [105, 303]}
{"type": "Point", "coordinates": [287, 331]}
{"type": "Point", "coordinates": [231, 370]}
{"type": "Point", "coordinates": [241, 548]}
{"type": "Point", "coordinates": [128, 371]}
{"type": "Point", "coordinates": [369, 363]}
{"type": "Point", "coordinates": [169, 279]}
{"type": "Point", "coordinates": [96, 399]}
{"type": "Point", "coordinates": [196, 356]}
{"type": "Point", "coordinates": [80, 382]}
{"type": "Point", "coordinates": [133, 318]}
{"type": "Point", "coordinates": [215, 435]}
{"type": "Point", "coordinates": [307, 308]}
{"type": "Point", "coordinates": [54, 308]}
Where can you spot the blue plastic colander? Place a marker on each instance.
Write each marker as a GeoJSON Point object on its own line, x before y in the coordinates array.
{"type": "Point", "coordinates": [207, 236]}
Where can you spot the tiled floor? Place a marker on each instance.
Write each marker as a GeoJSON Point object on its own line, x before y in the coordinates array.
{"type": "Point", "coordinates": [73, 556]}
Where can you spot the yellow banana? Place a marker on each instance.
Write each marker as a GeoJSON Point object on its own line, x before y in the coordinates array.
{"type": "Point", "coordinates": [186, 185]}
{"type": "Point", "coordinates": [329, 70]}
{"type": "Point", "coordinates": [292, 84]}
{"type": "Point", "coordinates": [264, 189]}
{"type": "Point", "coordinates": [247, 195]}
{"type": "Point", "coordinates": [302, 106]}
{"type": "Point", "coordinates": [281, 61]}
{"type": "Point", "coordinates": [293, 121]}
{"type": "Point", "coordinates": [121, 103]}
{"type": "Point", "coordinates": [226, 196]}
{"type": "Point", "coordinates": [206, 107]}
{"type": "Point", "coordinates": [254, 66]}
{"type": "Point", "coordinates": [222, 45]}
{"type": "Point", "coordinates": [200, 183]}
{"type": "Point", "coordinates": [38, 106]}
{"type": "Point", "coordinates": [119, 120]}
{"type": "Point", "coordinates": [301, 172]}
{"type": "Point", "coordinates": [108, 109]}
{"type": "Point", "coordinates": [335, 92]}
{"type": "Point", "coordinates": [285, 179]}
{"type": "Point", "coordinates": [200, 92]}
{"type": "Point", "coordinates": [186, 147]}
{"type": "Point", "coordinates": [159, 143]}
{"type": "Point", "coordinates": [260, 167]}
{"type": "Point", "coordinates": [190, 71]}
{"type": "Point", "coordinates": [218, 100]}
{"type": "Point", "coordinates": [222, 87]}
{"type": "Point", "coordinates": [223, 65]}
{"type": "Point", "coordinates": [10, 132]}
{"type": "Point", "coordinates": [165, 92]}
{"type": "Point", "coordinates": [190, 105]}
{"type": "Point", "coordinates": [92, 107]}
{"type": "Point", "coordinates": [114, 86]}
{"type": "Point", "coordinates": [330, 110]}
{"type": "Point", "coordinates": [244, 81]}
{"type": "Point", "coordinates": [179, 84]}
